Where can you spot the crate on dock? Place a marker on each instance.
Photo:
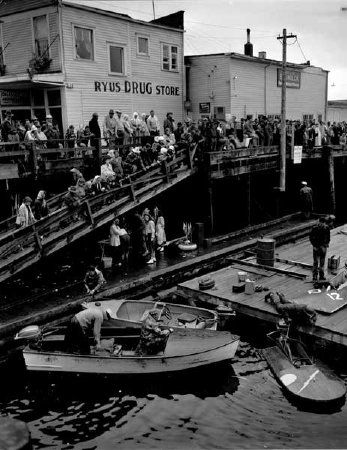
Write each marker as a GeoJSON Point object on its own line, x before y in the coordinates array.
{"type": "Point", "coordinates": [239, 287]}
{"type": "Point", "coordinates": [334, 262]}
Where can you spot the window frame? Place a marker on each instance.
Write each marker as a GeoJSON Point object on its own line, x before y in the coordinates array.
{"type": "Point", "coordinates": [142, 36]}
{"type": "Point", "coordinates": [2, 46]}
{"type": "Point", "coordinates": [307, 117]}
{"type": "Point", "coordinates": [124, 47]}
{"type": "Point", "coordinates": [33, 36]}
{"type": "Point", "coordinates": [170, 69]}
{"type": "Point", "coordinates": [85, 27]}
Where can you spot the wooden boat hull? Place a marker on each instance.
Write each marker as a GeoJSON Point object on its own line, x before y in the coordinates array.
{"type": "Point", "coordinates": [128, 313]}
{"type": "Point", "coordinates": [182, 352]}
{"type": "Point", "coordinates": [306, 383]}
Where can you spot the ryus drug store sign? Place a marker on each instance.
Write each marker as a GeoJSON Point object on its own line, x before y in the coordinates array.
{"type": "Point", "coordinates": [136, 87]}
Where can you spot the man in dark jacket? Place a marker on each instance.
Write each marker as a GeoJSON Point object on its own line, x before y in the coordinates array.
{"type": "Point", "coordinates": [94, 129]}
{"type": "Point", "coordinates": [319, 238]}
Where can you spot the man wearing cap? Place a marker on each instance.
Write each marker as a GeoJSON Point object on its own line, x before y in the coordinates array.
{"type": "Point", "coordinates": [110, 127]}
{"type": "Point", "coordinates": [8, 130]}
{"type": "Point", "coordinates": [169, 122]}
{"type": "Point", "coordinates": [25, 215]}
{"type": "Point", "coordinates": [83, 324]}
{"type": "Point", "coordinates": [93, 280]}
{"type": "Point", "coordinates": [306, 200]}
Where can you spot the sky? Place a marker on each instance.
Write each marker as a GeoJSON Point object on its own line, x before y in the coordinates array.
{"type": "Point", "coordinates": [217, 26]}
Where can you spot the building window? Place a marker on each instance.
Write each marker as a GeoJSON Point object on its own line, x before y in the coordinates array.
{"type": "Point", "coordinates": [41, 35]}
{"type": "Point", "coordinates": [307, 117]}
{"type": "Point", "coordinates": [169, 57]}
{"type": "Point", "coordinates": [84, 43]}
{"type": "Point", "coordinates": [116, 59]}
{"type": "Point", "coordinates": [142, 45]}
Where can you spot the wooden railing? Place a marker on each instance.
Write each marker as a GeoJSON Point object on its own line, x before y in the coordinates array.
{"type": "Point", "coordinates": [25, 246]}
{"type": "Point", "coordinates": [236, 162]}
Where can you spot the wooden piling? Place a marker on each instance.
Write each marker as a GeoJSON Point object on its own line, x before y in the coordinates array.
{"type": "Point", "coordinates": [14, 435]}
{"type": "Point", "coordinates": [330, 160]}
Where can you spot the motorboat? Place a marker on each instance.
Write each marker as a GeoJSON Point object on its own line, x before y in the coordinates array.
{"type": "Point", "coordinates": [299, 375]}
{"type": "Point", "coordinates": [184, 349]}
{"type": "Point", "coordinates": [129, 313]}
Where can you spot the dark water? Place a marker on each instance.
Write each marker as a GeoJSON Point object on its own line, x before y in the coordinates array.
{"type": "Point", "coordinates": [237, 405]}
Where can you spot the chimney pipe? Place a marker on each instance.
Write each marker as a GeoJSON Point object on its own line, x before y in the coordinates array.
{"type": "Point", "coordinates": [248, 45]}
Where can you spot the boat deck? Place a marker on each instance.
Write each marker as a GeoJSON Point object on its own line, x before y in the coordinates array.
{"type": "Point", "coordinates": [291, 274]}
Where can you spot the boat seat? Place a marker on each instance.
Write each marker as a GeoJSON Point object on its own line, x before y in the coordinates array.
{"type": "Point", "coordinates": [186, 318]}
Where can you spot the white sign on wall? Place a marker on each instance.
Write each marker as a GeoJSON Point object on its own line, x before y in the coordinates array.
{"type": "Point", "coordinates": [297, 154]}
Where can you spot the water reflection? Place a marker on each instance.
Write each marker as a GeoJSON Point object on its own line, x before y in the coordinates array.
{"type": "Point", "coordinates": [224, 406]}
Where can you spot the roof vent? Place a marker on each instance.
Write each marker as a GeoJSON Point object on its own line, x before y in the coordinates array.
{"type": "Point", "coordinates": [262, 55]}
{"type": "Point", "coordinates": [248, 45]}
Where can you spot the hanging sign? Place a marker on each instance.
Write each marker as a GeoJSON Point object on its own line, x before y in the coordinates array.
{"type": "Point", "coordinates": [293, 78]}
{"type": "Point", "coordinates": [204, 108]}
{"type": "Point", "coordinates": [14, 97]}
{"type": "Point", "coordinates": [297, 154]}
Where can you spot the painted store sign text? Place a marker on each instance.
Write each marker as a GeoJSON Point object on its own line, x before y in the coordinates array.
{"type": "Point", "coordinates": [136, 87]}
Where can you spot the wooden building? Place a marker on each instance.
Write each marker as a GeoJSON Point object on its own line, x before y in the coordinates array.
{"type": "Point", "coordinates": [71, 60]}
{"type": "Point", "coordinates": [231, 84]}
{"type": "Point", "coordinates": [337, 111]}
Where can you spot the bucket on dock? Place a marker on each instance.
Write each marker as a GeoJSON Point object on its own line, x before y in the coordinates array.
{"type": "Point", "coordinates": [266, 251]}
{"type": "Point", "coordinates": [107, 262]}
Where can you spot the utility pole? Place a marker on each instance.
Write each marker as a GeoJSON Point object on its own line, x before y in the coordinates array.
{"type": "Point", "coordinates": [285, 37]}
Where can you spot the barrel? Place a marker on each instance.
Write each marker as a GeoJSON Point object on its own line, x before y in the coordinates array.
{"type": "Point", "coordinates": [266, 251]}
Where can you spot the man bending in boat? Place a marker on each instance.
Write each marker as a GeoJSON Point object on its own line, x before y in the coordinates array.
{"type": "Point", "coordinates": [83, 324]}
{"type": "Point", "coordinates": [153, 338]}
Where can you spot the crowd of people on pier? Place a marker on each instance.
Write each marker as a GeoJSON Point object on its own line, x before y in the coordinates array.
{"type": "Point", "coordinates": [139, 130]}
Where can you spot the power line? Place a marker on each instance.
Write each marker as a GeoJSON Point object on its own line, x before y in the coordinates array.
{"type": "Point", "coordinates": [305, 59]}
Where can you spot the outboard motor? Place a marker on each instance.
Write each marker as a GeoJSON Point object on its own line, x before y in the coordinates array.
{"type": "Point", "coordinates": [30, 335]}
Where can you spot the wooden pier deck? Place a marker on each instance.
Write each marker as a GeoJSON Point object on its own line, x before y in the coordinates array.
{"type": "Point", "coordinates": [291, 274]}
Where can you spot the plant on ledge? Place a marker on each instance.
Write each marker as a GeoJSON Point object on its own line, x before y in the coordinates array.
{"type": "Point", "coordinates": [39, 63]}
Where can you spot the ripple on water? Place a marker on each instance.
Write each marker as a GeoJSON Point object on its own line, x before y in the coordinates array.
{"type": "Point", "coordinates": [221, 407]}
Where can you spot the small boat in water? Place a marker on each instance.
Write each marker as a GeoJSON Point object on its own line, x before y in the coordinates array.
{"type": "Point", "coordinates": [300, 377]}
{"type": "Point", "coordinates": [184, 350]}
{"type": "Point", "coordinates": [129, 313]}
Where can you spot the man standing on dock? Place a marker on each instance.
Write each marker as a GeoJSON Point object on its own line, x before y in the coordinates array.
{"type": "Point", "coordinates": [319, 238]}
{"type": "Point", "coordinates": [306, 200]}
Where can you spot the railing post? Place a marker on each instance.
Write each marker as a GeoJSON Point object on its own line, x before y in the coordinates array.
{"type": "Point", "coordinates": [132, 190]}
{"type": "Point", "coordinates": [89, 212]}
{"type": "Point", "coordinates": [34, 159]}
{"type": "Point", "coordinates": [166, 172]}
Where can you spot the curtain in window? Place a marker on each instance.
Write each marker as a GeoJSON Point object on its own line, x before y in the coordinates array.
{"type": "Point", "coordinates": [84, 43]}
{"type": "Point", "coordinates": [41, 35]}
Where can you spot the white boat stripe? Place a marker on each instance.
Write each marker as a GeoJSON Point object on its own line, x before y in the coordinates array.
{"type": "Point", "coordinates": [307, 382]}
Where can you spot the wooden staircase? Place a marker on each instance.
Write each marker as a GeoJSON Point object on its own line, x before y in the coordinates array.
{"type": "Point", "coordinates": [21, 248]}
